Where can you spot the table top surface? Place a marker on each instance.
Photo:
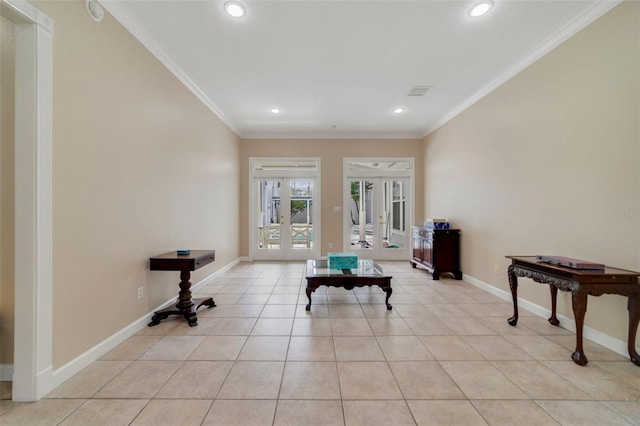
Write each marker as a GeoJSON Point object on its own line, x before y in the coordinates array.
{"type": "Point", "coordinates": [608, 270]}
{"type": "Point", "coordinates": [173, 261]}
{"type": "Point", "coordinates": [194, 254]}
{"type": "Point", "coordinates": [366, 268]}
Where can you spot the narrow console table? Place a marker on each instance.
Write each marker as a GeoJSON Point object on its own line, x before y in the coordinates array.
{"type": "Point", "coordinates": [185, 305]}
{"type": "Point", "coordinates": [580, 283]}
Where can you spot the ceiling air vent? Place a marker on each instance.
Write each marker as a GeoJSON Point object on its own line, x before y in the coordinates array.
{"type": "Point", "coordinates": [418, 90]}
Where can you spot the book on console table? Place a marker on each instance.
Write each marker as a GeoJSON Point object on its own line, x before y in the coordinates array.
{"type": "Point", "coordinates": [570, 262]}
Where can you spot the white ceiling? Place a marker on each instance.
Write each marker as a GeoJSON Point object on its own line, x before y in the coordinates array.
{"type": "Point", "coordinates": [337, 68]}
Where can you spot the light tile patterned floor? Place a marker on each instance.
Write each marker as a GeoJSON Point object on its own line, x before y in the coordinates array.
{"type": "Point", "coordinates": [444, 355]}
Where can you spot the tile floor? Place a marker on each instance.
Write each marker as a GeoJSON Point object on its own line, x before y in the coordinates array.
{"type": "Point", "coordinates": [444, 355]}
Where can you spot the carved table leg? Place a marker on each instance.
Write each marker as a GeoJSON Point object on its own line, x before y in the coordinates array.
{"type": "Point", "coordinates": [156, 318]}
{"type": "Point", "coordinates": [554, 297]}
{"type": "Point", "coordinates": [309, 291]}
{"type": "Point", "coordinates": [184, 295]}
{"type": "Point", "coordinates": [634, 317]}
{"type": "Point", "coordinates": [579, 301]}
{"type": "Point", "coordinates": [185, 306]}
{"type": "Point", "coordinates": [513, 284]}
{"type": "Point", "coordinates": [388, 290]}
{"type": "Point", "coordinates": [191, 317]}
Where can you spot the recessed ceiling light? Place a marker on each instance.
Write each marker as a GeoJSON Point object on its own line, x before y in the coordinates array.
{"type": "Point", "coordinates": [235, 9]}
{"type": "Point", "coordinates": [95, 10]}
{"type": "Point", "coordinates": [398, 110]}
{"type": "Point", "coordinates": [481, 8]}
{"type": "Point", "coordinates": [275, 110]}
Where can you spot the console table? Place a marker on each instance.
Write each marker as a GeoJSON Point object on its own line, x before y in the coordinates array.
{"type": "Point", "coordinates": [185, 305]}
{"type": "Point", "coordinates": [580, 283]}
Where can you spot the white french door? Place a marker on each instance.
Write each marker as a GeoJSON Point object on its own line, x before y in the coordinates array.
{"type": "Point", "coordinates": [377, 213]}
{"type": "Point", "coordinates": [285, 212]}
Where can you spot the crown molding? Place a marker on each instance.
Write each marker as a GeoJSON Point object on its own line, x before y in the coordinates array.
{"type": "Point", "coordinates": [121, 15]}
{"type": "Point", "coordinates": [581, 21]}
{"type": "Point", "coordinates": [24, 13]}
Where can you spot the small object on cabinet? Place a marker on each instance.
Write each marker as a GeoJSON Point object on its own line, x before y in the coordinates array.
{"type": "Point", "coordinates": [184, 252]}
{"type": "Point", "coordinates": [570, 262]}
{"type": "Point", "coordinates": [436, 224]}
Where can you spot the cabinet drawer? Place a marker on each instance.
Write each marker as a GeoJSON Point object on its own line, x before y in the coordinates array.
{"type": "Point", "coordinates": [424, 233]}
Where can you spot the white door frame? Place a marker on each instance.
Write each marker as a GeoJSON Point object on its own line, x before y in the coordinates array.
{"type": "Point", "coordinates": [32, 359]}
{"type": "Point", "coordinates": [378, 175]}
{"type": "Point", "coordinates": [257, 174]}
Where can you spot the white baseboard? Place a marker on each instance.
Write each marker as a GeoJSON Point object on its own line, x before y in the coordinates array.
{"type": "Point", "coordinates": [596, 336]}
{"type": "Point", "coordinates": [6, 372]}
{"type": "Point", "coordinates": [74, 366]}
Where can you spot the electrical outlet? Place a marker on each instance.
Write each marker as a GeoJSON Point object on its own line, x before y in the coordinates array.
{"type": "Point", "coordinates": [496, 269]}
{"type": "Point", "coordinates": [140, 292]}
{"type": "Point", "coordinates": [330, 245]}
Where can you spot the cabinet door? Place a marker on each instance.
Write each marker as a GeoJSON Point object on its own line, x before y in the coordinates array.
{"type": "Point", "coordinates": [417, 245]}
{"type": "Point", "coordinates": [427, 249]}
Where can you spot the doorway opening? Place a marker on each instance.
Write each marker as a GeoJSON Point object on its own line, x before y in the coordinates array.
{"type": "Point", "coordinates": [378, 207]}
{"type": "Point", "coordinates": [285, 208]}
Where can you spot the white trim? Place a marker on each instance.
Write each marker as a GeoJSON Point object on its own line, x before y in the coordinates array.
{"type": "Point", "coordinates": [21, 12]}
{"type": "Point", "coordinates": [381, 174]}
{"type": "Point", "coordinates": [616, 345]}
{"type": "Point", "coordinates": [563, 34]}
{"type": "Point", "coordinates": [74, 366]}
{"type": "Point", "coordinates": [121, 15]}
{"type": "Point", "coordinates": [285, 175]}
{"type": "Point", "coordinates": [32, 368]}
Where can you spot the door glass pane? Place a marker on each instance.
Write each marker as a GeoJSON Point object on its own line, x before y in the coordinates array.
{"type": "Point", "coordinates": [301, 223]}
{"type": "Point", "coordinates": [269, 215]}
{"type": "Point", "coordinates": [362, 231]}
{"type": "Point", "coordinates": [394, 210]}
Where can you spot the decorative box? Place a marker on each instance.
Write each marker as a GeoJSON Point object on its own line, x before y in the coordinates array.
{"type": "Point", "coordinates": [436, 224]}
{"type": "Point", "coordinates": [342, 260]}
{"type": "Point", "coordinates": [571, 262]}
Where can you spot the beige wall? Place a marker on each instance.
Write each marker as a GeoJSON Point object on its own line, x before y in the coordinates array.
{"type": "Point", "coordinates": [549, 163]}
{"type": "Point", "coordinates": [141, 167]}
{"type": "Point", "coordinates": [7, 137]}
{"type": "Point", "coordinates": [331, 153]}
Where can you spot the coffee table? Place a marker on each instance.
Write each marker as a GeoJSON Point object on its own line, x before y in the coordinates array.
{"type": "Point", "coordinates": [367, 273]}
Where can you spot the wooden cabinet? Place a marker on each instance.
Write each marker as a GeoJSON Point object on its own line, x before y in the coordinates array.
{"type": "Point", "coordinates": [438, 250]}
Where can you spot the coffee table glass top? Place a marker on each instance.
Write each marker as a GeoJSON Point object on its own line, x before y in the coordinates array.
{"type": "Point", "coordinates": [366, 268]}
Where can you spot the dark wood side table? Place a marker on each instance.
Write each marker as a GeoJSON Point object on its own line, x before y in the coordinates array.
{"type": "Point", "coordinates": [580, 283]}
{"type": "Point", "coordinates": [185, 305]}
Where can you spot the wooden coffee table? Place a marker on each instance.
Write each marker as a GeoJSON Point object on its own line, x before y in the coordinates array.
{"type": "Point", "coordinates": [367, 273]}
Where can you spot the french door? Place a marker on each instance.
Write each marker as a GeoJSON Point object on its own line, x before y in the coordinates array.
{"type": "Point", "coordinates": [285, 217]}
{"type": "Point", "coordinates": [377, 215]}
